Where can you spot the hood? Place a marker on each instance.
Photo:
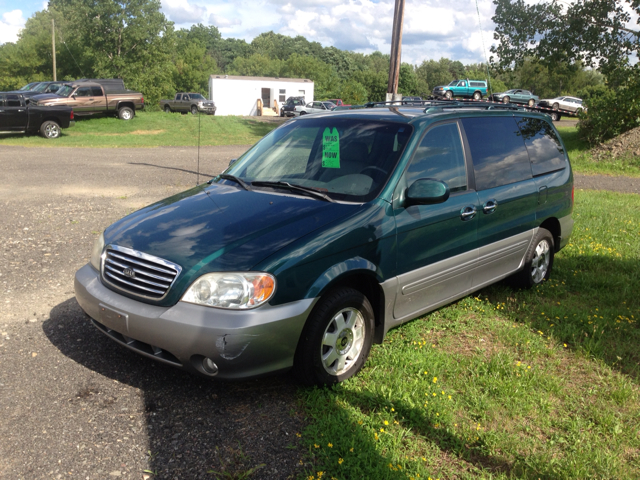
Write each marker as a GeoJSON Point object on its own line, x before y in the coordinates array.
{"type": "Point", "coordinates": [221, 228]}
{"type": "Point", "coordinates": [44, 97]}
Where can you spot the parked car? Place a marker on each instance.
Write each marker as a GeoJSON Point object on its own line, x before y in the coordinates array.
{"type": "Point", "coordinates": [313, 107]}
{"type": "Point", "coordinates": [516, 95]}
{"type": "Point", "coordinates": [412, 101]}
{"type": "Point", "coordinates": [328, 232]}
{"type": "Point", "coordinates": [571, 104]}
{"type": "Point", "coordinates": [37, 88]}
{"type": "Point", "coordinates": [18, 116]}
{"type": "Point", "coordinates": [189, 102]}
{"type": "Point", "coordinates": [91, 99]}
{"type": "Point", "coordinates": [475, 89]}
{"type": "Point", "coordinates": [338, 102]}
{"type": "Point", "coordinates": [292, 102]}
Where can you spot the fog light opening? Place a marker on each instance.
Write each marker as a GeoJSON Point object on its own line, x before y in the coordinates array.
{"type": "Point", "coordinates": [209, 366]}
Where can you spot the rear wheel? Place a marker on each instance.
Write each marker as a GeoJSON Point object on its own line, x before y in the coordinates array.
{"type": "Point", "coordinates": [50, 129]}
{"type": "Point", "coordinates": [555, 106]}
{"type": "Point", "coordinates": [538, 261]}
{"type": "Point", "coordinates": [167, 109]}
{"type": "Point", "coordinates": [125, 113]}
{"type": "Point", "coordinates": [336, 340]}
{"type": "Point", "coordinates": [532, 102]}
{"type": "Point", "coordinates": [506, 99]}
{"type": "Point", "coordinates": [477, 96]}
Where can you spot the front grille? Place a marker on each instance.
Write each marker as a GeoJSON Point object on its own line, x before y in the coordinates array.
{"type": "Point", "coordinates": [138, 273]}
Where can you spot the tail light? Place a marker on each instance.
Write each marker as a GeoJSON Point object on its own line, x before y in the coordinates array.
{"type": "Point", "coordinates": [142, 99]}
{"type": "Point", "coordinates": [71, 116]}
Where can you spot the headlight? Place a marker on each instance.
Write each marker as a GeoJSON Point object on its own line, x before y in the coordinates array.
{"type": "Point", "coordinates": [96, 253]}
{"type": "Point", "coordinates": [235, 290]}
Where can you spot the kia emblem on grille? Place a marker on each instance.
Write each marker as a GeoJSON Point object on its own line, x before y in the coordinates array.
{"type": "Point", "coordinates": [129, 272]}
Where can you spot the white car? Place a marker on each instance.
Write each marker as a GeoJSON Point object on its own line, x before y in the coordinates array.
{"type": "Point", "coordinates": [572, 104]}
{"type": "Point", "coordinates": [313, 107]}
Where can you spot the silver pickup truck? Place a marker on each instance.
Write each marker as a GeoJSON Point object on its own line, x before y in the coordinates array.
{"type": "Point", "coordinates": [188, 102]}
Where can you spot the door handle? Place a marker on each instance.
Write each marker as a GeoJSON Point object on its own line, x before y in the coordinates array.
{"type": "Point", "coordinates": [490, 206]}
{"type": "Point", "coordinates": [467, 213]}
{"type": "Point", "coordinates": [21, 110]}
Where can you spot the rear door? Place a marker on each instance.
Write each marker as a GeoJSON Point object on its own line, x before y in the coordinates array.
{"type": "Point", "coordinates": [13, 113]}
{"type": "Point", "coordinates": [436, 243]}
{"type": "Point", "coordinates": [507, 195]}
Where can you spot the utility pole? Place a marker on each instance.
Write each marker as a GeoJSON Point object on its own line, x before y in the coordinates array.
{"type": "Point", "coordinates": [396, 48]}
{"type": "Point", "coordinates": [53, 42]}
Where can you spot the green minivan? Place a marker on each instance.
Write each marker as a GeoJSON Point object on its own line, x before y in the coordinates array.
{"type": "Point", "coordinates": [331, 230]}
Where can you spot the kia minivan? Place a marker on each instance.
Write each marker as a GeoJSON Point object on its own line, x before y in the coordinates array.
{"type": "Point", "coordinates": [331, 230]}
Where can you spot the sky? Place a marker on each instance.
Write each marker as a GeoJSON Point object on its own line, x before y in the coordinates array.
{"type": "Point", "coordinates": [432, 29]}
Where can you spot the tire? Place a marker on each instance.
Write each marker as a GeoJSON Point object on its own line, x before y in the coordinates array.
{"type": "Point", "coordinates": [555, 116]}
{"type": "Point", "coordinates": [477, 96]}
{"type": "Point", "coordinates": [167, 109]}
{"type": "Point", "coordinates": [50, 129]}
{"type": "Point", "coordinates": [281, 113]}
{"type": "Point", "coordinates": [125, 113]}
{"type": "Point", "coordinates": [532, 102]}
{"type": "Point", "coordinates": [336, 340]}
{"type": "Point", "coordinates": [506, 99]}
{"type": "Point", "coordinates": [194, 110]}
{"type": "Point", "coordinates": [538, 261]}
{"type": "Point", "coordinates": [448, 95]}
{"type": "Point", "coordinates": [303, 113]}
{"type": "Point", "coordinates": [555, 106]}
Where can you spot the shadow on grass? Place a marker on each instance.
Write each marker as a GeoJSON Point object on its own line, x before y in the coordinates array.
{"type": "Point", "coordinates": [356, 445]}
{"type": "Point", "coordinates": [193, 424]}
{"type": "Point", "coordinates": [592, 303]}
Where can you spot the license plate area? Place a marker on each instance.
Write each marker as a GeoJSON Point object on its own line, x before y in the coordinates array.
{"type": "Point", "coordinates": [113, 319]}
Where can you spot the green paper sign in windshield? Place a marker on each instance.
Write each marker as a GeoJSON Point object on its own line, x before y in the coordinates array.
{"type": "Point", "coordinates": [330, 148]}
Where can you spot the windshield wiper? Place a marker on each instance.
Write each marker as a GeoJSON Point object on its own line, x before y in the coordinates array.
{"type": "Point", "coordinates": [296, 188]}
{"type": "Point", "coordinates": [233, 178]}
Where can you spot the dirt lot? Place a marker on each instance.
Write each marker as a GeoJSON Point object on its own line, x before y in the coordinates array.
{"type": "Point", "coordinates": [73, 403]}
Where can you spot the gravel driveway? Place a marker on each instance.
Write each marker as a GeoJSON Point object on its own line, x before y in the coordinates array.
{"type": "Point", "coordinates": [73, 403]}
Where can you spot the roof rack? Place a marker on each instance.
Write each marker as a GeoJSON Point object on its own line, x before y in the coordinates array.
{"type": "Point", "coordinates": [432, 106]}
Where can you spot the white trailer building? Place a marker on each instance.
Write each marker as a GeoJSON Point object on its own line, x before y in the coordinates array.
{"type": "Point", "coordinates": [237, 95]}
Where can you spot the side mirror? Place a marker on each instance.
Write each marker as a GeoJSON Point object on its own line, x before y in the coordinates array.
{"type": "Point", "coordinates": [426, 191]}
{"type": "Point", "coordinates": [233, 160]}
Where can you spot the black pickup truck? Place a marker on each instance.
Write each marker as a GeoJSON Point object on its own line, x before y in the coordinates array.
{"type": "Point", "coordinates": [16, 116]}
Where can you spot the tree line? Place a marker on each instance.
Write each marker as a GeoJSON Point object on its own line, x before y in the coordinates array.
{"type": "Point", "coordinates": [133, 40]}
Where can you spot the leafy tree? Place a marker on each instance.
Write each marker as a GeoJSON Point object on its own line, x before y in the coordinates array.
{"type": "Point", "coordinates": [256, 65]}
{"type": "Point", "coordinates": [407, 80]}
{"type": "Point", "coordinates": [226, 50]}
{"type": "Point", "coordinates": [353, 93]}
{"type": "Point", "coordinates": [326, 81]}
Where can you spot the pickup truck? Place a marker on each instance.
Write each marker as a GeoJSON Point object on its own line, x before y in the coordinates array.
{"type": "Point", "coordinates": [18, 116]}
{"type": "Point", "coordinates": [475, 89]}
{"type": "Point", "coordinates": [188, 102]}
{"type": "Point", "coordinates": [338, 102]}
{"type": "Point", "coordinates": [88, 98]}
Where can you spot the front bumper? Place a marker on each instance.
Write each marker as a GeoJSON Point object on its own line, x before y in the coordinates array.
{"type": "Point", "coordinates": [207, 109]}
{"type": "Point", "coordinates": [242, 343]}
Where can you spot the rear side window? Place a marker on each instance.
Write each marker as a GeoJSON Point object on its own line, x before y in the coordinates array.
{"type": "Point", "coordinates": [13, 101]}
{"type": "Point", "coordinates": [545, 150]}
{"type": "Point", "coordinates": [498, 151]}
{"type": "Point", "coordinates": [96, 92]}
{"type": "Point", "coordinates": [440, 156]}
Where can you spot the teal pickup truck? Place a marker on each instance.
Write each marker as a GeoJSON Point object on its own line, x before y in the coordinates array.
{"type": "Point", "coordinates": [475, 89]}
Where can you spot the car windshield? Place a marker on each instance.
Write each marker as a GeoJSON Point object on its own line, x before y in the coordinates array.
{"type": "Point", "coordinates": [455, 82]}
{"type": "Point", "coordinates": [345, 158]}
{"type": "Point", "coordinates": [64, 91]}
{"type": "Point", "coordinates": [29, 86]}
{"type": "Point", "coordinates": [40, 87]}
{"type": "Point", "coordinates": [196, 96]}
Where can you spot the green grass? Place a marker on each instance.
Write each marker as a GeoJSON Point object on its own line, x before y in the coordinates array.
{"type": "Point", "coordinates": [538, 384]}
{"type": "Point", "coordinates": [583, 162]}
{"type": "Point", "coordinates": [151, 129]}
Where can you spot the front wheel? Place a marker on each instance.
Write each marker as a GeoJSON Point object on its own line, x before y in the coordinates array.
{"type": "Point", "coordinates": [194, 110]}
{"type": "Point", "coordinates": [50, 129]}
{"type": "Point", "coordinates": [538, 261]}
{"type": "Point", "coordinates": [125, 113]}
{"type": "Point", "coordinates": [336, 340]}
{"type": "Point", "coordinates": [448, 94]}
{"type": "Point", "coordinates": [555, 116]}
